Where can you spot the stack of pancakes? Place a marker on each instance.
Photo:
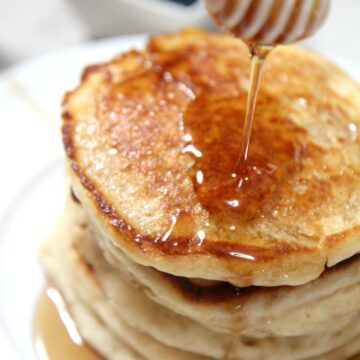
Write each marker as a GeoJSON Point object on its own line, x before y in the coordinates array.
{"type": "Point", "coordinates": [154, 255]}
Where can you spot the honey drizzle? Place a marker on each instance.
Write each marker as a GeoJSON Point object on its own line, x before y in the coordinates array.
{"type": "Point", "coordinates": [258, 54]}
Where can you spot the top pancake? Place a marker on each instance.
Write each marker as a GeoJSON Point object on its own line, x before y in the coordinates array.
{"type": "Point", "coordinates": [153, 137]}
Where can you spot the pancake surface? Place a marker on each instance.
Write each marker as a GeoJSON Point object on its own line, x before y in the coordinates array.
{"type": "Point", "coordinates": [153, 138]}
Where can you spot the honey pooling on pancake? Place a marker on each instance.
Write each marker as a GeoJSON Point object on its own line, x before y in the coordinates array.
{"type": "Point", "coordinates": [212, 137]}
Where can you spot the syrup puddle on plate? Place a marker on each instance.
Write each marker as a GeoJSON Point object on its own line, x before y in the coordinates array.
{"type": "Point", "coordinates": [55, 333]}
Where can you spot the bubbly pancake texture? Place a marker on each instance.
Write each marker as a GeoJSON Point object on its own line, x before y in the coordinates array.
{"type": "Point", "coordinates": [153, 137]}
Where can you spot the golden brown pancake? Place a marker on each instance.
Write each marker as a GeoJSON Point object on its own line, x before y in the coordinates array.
{"type": "Point", "coordinates": [122, 323]}
{"type": "Point", "coordinates": [153, 139]}
{"type": "Point", "coordinates": [331, 301]}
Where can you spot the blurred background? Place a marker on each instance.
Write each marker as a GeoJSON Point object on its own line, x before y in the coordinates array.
{"type": "Point", "coordinates": [32, 27]}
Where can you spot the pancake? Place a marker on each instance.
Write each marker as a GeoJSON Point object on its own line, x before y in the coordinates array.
{"type": "Point", "coordinates": [330, 301]}
{"type": "Point", "coordinates": [153, 136]}
{"type": "Point", "coordinates": [122, 323]}
{"type": "Point", "coordinates": [254, 311]}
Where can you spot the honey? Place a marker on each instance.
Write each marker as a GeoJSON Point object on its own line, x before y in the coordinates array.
{"type": "Point", "coordinates": [55, 333]}
{"type": "Point", "coordinates": [215, 141]}
{"type": "Point", "coordinates": [262, 24]}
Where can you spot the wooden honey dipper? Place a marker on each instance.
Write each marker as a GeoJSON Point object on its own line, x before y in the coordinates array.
{"type": "Point", "coordinates": [269, 22]}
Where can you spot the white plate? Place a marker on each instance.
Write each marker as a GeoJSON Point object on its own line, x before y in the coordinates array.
{"type": "Point", "coordinates": [31, 188]}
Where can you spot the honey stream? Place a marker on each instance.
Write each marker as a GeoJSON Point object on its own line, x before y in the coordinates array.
{"type": "Point", "coordinates": [258, 55]}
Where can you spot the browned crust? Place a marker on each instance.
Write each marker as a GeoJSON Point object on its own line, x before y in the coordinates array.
{"type": "Point", "coordinates": [177, 246]}
{"type": "Point", "coordinates": [334, 240]}
{"type": "Point", "coordinates": [225, 292]}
